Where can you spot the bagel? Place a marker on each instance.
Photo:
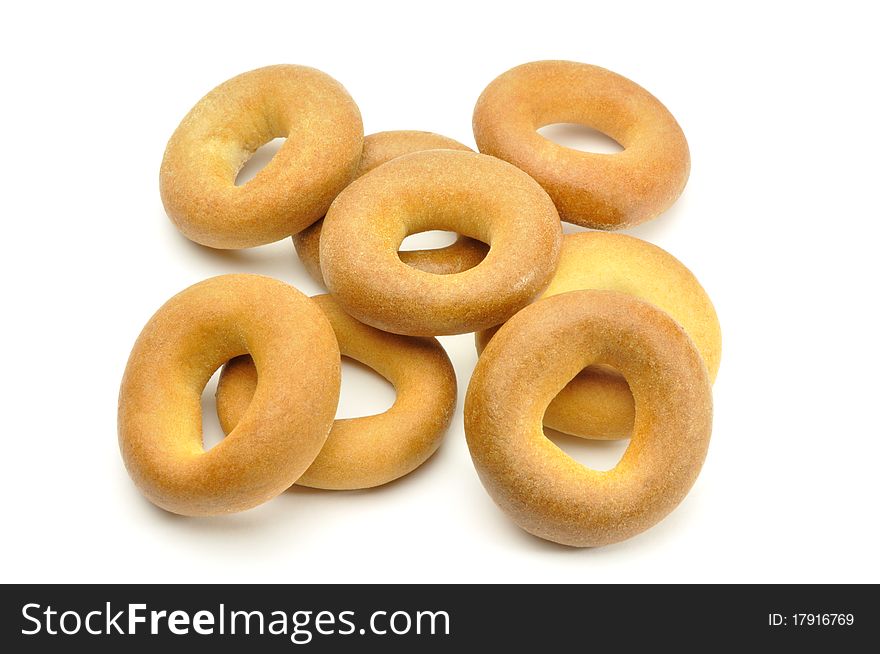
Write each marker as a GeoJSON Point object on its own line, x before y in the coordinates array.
{"type": "Point", "coordinates": [276, 439]}
{"type": "Point", "coordinates": [468, 193]}
{"type": "Point", "coordinates": [598, 403]}
{"type": "Point", "coordinates": [324, 134]}
{"type": "Point", "coordinates": [603, 191]}
{"type": "Point", "coordinates": [380, 148]}
{"type": "Point", "coordinates": [527, 363]}
{"type": "Point", "coordinates": [373, 450]}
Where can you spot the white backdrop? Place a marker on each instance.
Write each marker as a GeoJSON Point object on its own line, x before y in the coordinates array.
{"type": "Point", "coordinates": [779, 222]}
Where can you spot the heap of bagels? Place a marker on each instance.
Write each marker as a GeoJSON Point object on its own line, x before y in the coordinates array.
{"type": "Point", "coordinates": [594, 334]}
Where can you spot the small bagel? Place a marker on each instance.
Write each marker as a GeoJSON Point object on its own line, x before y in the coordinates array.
{"type": "Point", "coordinates": [373, 450]}
{"type": "Point", "coordinates": [468, 193]}
{"type": "Point", "coordinates": [598, 403]}
{"type": "Point", "coordinates": [277, 438]}
{"type": "Point", "coordinates": [324, 134]}
{"type": "Point", "coordinates": [603, 191]}
{"type": "Point", "coordinates": [531, 358]}
{"type": "Point", "coordinates": [380, 148]}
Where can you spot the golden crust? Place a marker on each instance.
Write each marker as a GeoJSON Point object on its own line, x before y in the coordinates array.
{"type": "Point", "coordinates": [380, 148]}
{"type": "Point", "coordinates": [324, 141]}
{"type": "Point", "coordinates": [372, 450]}
{"type": "Point", "coordinates": [595, 190]}
{"type": "Point", "coordinates": [527, 363]}
{"type": "Point", "coordinates": [479, 196]}
{"type": "Point", "coordinates": [598, 403]}
{"type": "Point", "coordinates": [277, 438]}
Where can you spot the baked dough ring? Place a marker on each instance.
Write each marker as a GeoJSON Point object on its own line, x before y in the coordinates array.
{"type": "Point", "coordinates": [324, 140]}
{"type": "Point", "coordinates": [604, 191]}
{"type": "Point", "coordinates": [373, 450]}
{"type": "Point", "coordinates": [472, 194]}
{"type": "Point", "coordinates": [277, 438]}
{"type": "Point", "coordinates": [379, 148]}
{"type": "Point", "coordinates": [597, 403]}
{"type": "Point", "coordinates": [532, 357]}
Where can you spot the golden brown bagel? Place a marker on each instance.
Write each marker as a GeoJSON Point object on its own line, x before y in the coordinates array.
{"type": "Point", "coordinates": [597, 403]}
{"type": "Point", "coordinates": [277, 438]}
{"type": "Point", "coordinates": [379, 148]}
{"type": "Point", "coordinates": [527, 363]}
{"type": "Point", "coordinates": [604, 191]}
{"type": "Point", "coordinates": [373, 450]}
{"type": "Point", "coordinates": [468, 193]}
{"type": "Point", "coordinates": [324, 134]}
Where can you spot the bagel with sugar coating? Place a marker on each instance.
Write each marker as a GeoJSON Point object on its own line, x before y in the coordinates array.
{"type": "Point", "coordinates": [379, 148]}
{"type": "Point", "coordinates": [324, 137]}
{"type": "Point", "coordinates": [371, 450]}
{"type": "Point", "coordinates": [286, 423]}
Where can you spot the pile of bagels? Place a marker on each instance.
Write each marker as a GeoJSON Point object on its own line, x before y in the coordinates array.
{"type": "Point", "coordinates": [594, 334]}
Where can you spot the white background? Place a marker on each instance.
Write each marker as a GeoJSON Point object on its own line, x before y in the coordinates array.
{"type": "Point", "coordinates": [779, 221]}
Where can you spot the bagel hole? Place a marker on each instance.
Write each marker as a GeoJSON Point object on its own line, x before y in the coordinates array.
{"type": "Point", "coordinates": [363, 391]}
{"type": "Point", "coordinates": [258, 160]}
{"type": "Point", "coordinates": [433, 239]}
{"type": "Point", "coordinates": [596, 455]}
{"type": "Point", "coordinates": [212, 433]}
{"type": "Point", "coordinates": [580, 137]}
{"type": "Point", "coordinates": [601, 455]}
